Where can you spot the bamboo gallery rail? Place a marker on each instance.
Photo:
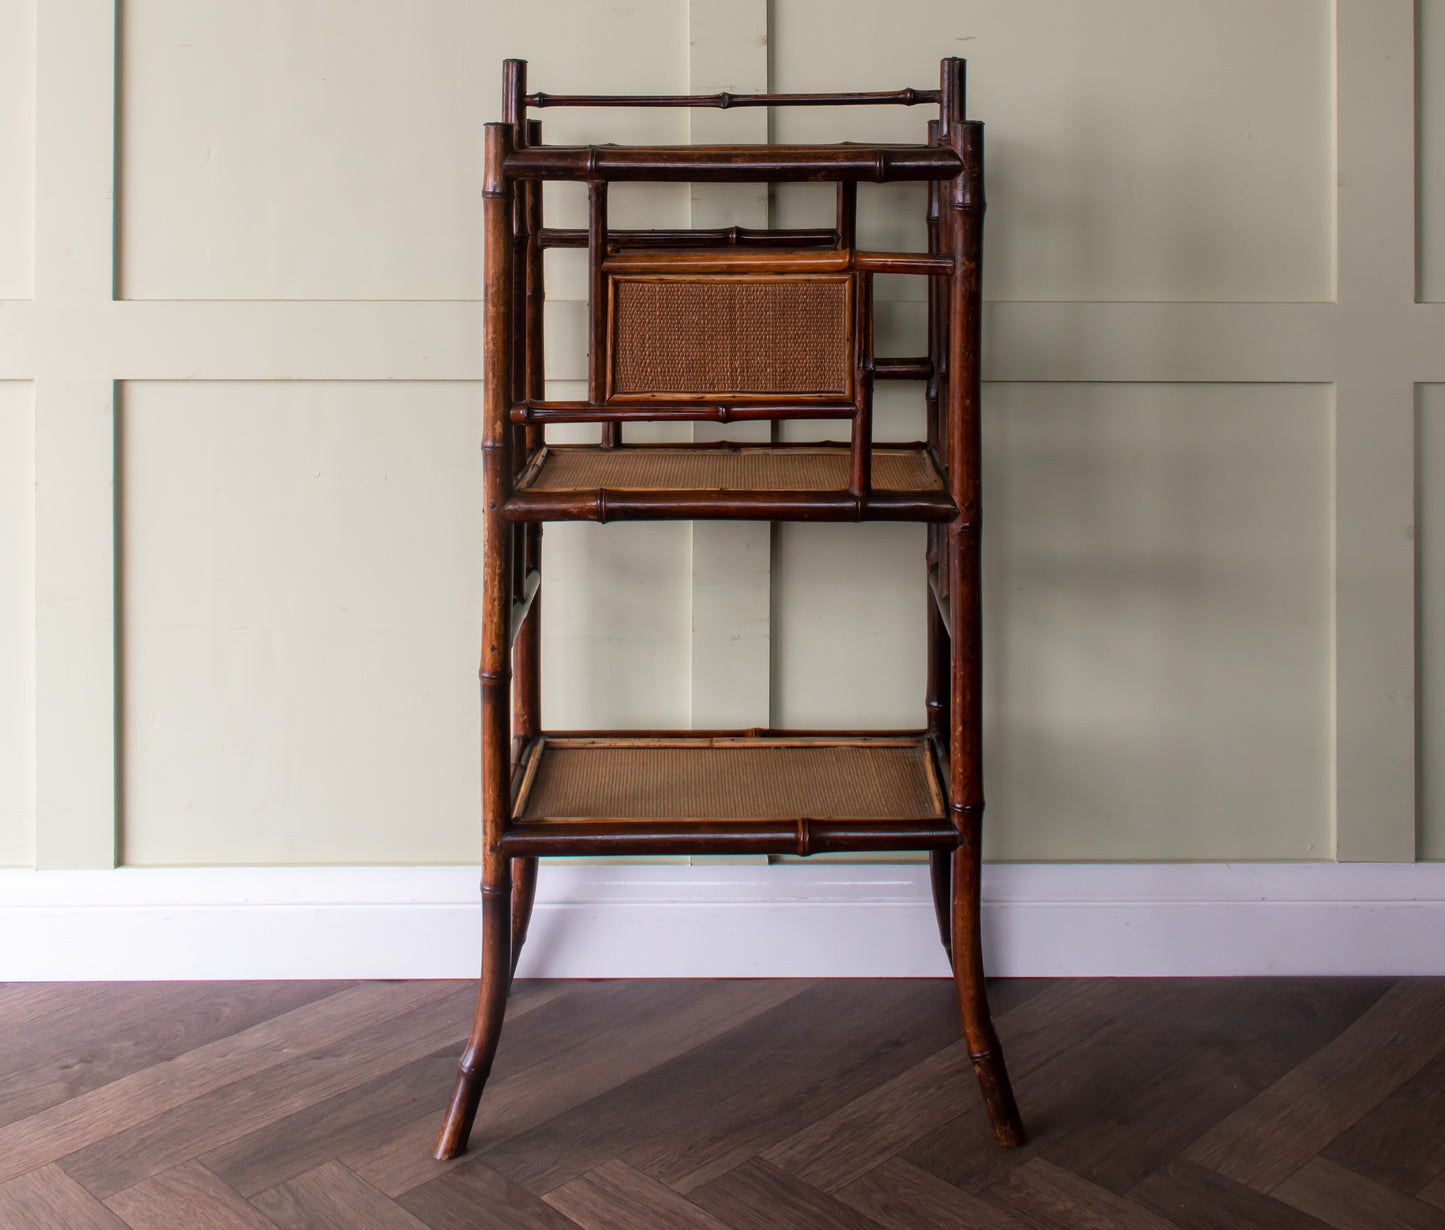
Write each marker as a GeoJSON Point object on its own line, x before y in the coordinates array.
{"type": "Point", "coordinates": [730, 325]}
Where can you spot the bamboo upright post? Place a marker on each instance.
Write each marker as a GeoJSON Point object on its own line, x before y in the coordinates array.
{"type": "Point", "coordinates": [964, 221]}
{"type": "Point", "coordinates": [495, 672]}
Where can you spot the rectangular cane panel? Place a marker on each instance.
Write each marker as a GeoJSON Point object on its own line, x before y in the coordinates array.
{"type": "Point", "coordinates": [734, 336]}
{"type": "Point", "coordinates": [732, 779]}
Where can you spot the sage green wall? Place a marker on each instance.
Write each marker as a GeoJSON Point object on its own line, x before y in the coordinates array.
{"type": "Point", "coordinates": [238, 412]}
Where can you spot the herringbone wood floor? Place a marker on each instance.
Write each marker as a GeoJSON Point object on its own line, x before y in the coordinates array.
{"type": "Point", "coordinates": [1199, 1104]}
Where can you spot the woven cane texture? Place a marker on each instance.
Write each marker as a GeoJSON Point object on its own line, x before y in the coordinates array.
{"type": "Point", "coordinates": [731, 783]}
{"type": "Point", "coordinates": [711, 469]}
{"type": "Point", "coordinates": [728, 336]}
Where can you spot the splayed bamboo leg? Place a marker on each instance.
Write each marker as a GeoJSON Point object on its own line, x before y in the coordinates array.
{"type": "Point", "coordinates": [978, 1031]}
{"type": "Point", "coordinates": [940, 877]}
{"type": "Point", "coordinates": [524, 892]}
{"type": "Point", "coordinates": [476, 1061]}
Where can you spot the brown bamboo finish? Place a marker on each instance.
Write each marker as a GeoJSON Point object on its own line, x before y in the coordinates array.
{"type": "Point", "coordinates": [608, 504]}
{"type": "Point", "coordinates": [620, 836]}
{"type": "Point", "coordinates": [598, 346]}
{"type": "Point", "coordinates": [744, 260]}
{"type": "Point", "coordinates": [733, 163]}
{"type": "Point", "coordinates": [965, 209]}
{"type": "Point", "coordinates": [847, 225]}
{"type": "Point", "coordinates": [862, 443]}
{"type": "Point", "coordinates": [725, 99]}
{"type": "Point", "coordinates": [515, 455]}
{"type": "Point", "coordinates": [725, 236]}
{"type": "Point", "coordinates": [476, 1060]}
{"type": "Point", "coordinates": [920, 368]}
{"type": "Point", "coordinates": [725, 412]}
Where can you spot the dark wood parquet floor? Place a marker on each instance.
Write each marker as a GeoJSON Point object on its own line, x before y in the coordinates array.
{"type": "Point", "coordinates": [700, 1105]}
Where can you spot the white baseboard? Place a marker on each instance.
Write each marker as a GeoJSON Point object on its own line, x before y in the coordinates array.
{"type": "Point", "coordinates": [612, 921]}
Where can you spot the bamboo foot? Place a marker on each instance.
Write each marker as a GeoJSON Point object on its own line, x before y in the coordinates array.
{"type": "Point", "coordinates": [524, 892]}
{"type": "Point", "coordinates": [476, 1061]}
{"type": "Point", "coordinates": [940, 878]}
{"type": "Point", "coordinates": [968, 980]}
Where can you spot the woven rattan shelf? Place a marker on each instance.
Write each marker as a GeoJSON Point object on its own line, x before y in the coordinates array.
{"type": "Point", "coordinates": [753, 792]}
{"type": "Point", "coordinates": [721, 326]}
{"type": "Point", "coordinates": [772, 482]}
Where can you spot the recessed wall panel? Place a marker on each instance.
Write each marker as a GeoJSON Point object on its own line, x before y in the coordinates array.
{"type": "Point", "coordinates": [1157, 621]}
{"type": "Point", "coordinates": [17, 624]}
{"type": "Point", "coordinates": [17, 147]}
{"type": "Point", "coordinates": [333, 150]}
{"type": "Point", "coordinates": [616, 609]}
{"type": "Point", "coordinates": [300, 603]}
{"type": "Point", "coordinates": [1430, 149]}
{"type": "Point", "coordinates": [1136, 151]}
{"type": "Point", "coordinates": [1430, 648]}
{"type": "Point", "coordinates": [848, 626]}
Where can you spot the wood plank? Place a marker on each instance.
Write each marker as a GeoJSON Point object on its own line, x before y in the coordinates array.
{"type": "Point", "coordinates": [1046, 1197]}
{"type": "Point", "coordinates": [757, 1196]}
{"type": "Point", "coordinates": [23, 1002]}
{"type": "Point", "coordinates": [354, 1122]}
{"type": "Point", "coordinates": [47, 1198]}
{"type": "Point", "coordinates": [145, 1024]}
{"type": "Point", "coordinates": [331, 1197]}
{"type": "Point", "coordinates": [830, 1151]}
{"type": "Point", "coordinates": [1400, 1143]}
{"type": "Point", "coordinates": [1206, 1046]}
{"type": "Point", "coordinates": [721, 1102]}
{"type": "Point", "coordinates": [899, 1196]}
{"type": "Point", "coordinates": [1199, 1199]}
{"type": "Point", "coordinates": [1433, 1193]}
{"type": "Point", "coordinates": [62, 1129]}
{"type": "Point", "coordinates": [1273, 1135]}
{"type": "Point", "coordinates": [854, 1041]}
{"type": "Point", "coordinates": [451, 1201]}
{"type": "Point", "coordinates": [645, 1024]}
{"type": "Point", "coordinates": [617, 1197]}
{"type": "Point", "coordinates": [188, 1195]}
{"type": "Point", "coordinates": [254, 1103]}
{"type": "Point", "coordinates": [331, 1129]}
{"type": "Point", "coordinates": [1076, 1043]}
{"type": "Point", "coordinates": [1348, 1201]}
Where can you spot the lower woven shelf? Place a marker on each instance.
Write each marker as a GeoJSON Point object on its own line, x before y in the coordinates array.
{"type": "Point", "coordinates": [743, 792]}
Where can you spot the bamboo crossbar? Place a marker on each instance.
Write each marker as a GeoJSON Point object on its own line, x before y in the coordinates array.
{"type": "Point", "coordinates": [725, 99]}
{"type": "Point", "coordinates": [605, 504]}
{"type": "Point", "coordinates": [733, 163]}
{"type": "Point", "coordinates": [804, 837]}
{"type": "Point", "coordinates": [561, 237]}
{"type": "Point", "coordinates": [920, 368]}
{"type": "Point", "coordinates": [534, 412]}
{"type": "Point", "coordinates": [747, 736]}
{"type": "Point", "coordinates": [774, 261]}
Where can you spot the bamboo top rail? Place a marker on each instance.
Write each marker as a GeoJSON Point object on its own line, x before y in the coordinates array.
{"type": "Point", "coordinates": [725, 98]}
{"type": "Point", "coordinates": [776, 260]}
{"type": "Point", "coordinates": [558, 237]}
{"type": "Point", "coordinates": [721, 163]}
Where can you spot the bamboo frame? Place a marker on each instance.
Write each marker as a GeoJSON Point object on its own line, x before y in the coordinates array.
{"type": "Point", "coordinates": [515, 452]}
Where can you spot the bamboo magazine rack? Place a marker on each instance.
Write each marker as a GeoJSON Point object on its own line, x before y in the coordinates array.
{"type": "Point", "coordinates": [722, 326]}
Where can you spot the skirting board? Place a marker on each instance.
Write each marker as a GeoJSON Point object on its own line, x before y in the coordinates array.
{"type": "Point", "coordinates": [676, 921]}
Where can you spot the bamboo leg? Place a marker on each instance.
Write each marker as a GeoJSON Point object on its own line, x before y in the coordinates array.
{"type": "Point", "coordinates": [524, 892]}
{"type": "Point", "coordinates": [495, 671]}
{"type": "Point", "coordinates": [476, 1061]}
{"type": "Point", "coordinates": [941, 876]}
{"type": "Point", "coordinates": [978, 1031]}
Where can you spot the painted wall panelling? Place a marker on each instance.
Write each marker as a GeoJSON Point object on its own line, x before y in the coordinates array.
{"type": "Point", "coordinates": [17, 625]}
{"type": "Point", "coordinates": [1430, 445]}
{"type": "Point", "coordinates": [1150, 278]}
